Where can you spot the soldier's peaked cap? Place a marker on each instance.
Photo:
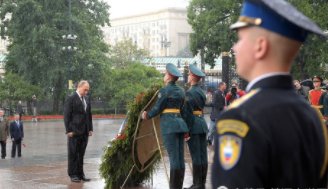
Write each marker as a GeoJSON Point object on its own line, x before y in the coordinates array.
{"type": "Point", "coordinates": [173, 70]}
{"type": "Point", "coordinates": [277, 16]}
{"type": "Point", "coordinates": [196, 71]}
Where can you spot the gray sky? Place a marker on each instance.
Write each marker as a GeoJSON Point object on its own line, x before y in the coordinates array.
{"type": "Point", "coordinates": [121, 8]}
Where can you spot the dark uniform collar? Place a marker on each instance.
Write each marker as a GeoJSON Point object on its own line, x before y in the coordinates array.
{"type": "Point", "coordinates": [275, 81]}
{"type": "Point", "coordinates": [171, 83]}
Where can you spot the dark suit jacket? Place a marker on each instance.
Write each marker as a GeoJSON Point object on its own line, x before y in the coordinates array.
{"type": "Point", "coordinates": [76, 119]}
{"type": "Point", "coordinates": [218, 104]}
{"type": "Point", "coordinates": [15, 131]}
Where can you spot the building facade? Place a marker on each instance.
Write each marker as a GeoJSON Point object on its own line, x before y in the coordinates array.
{"type": "Point", "coordinates": [163, 33]}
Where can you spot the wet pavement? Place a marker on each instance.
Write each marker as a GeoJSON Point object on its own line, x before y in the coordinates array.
{"type": "Point", "coordinates": [43, 164]}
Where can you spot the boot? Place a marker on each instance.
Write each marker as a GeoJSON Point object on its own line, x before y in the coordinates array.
{"type": "Point", "coordinates": [203, 177]}
{"type": "Point", "coordinates": [181, 176]}
{"type": "Point", "coordinates": [196, 177]}
{"type": "Point", "coordinates": [176, 178]}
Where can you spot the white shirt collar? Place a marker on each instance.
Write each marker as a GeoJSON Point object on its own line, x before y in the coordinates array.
{"type": "Point", "coordinates": [78, 94]}
{"type": "Point", "coordinates": [251, 83]}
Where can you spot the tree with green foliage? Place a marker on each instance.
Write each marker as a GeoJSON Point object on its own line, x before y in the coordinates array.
{"type": "Point", "coordinates": [312, 59]}
{"type": "Point", "coordinates": [35, 29]}
{"type": "Point", "coordinates": [14, 88]}
{"type": "Point", "coordinates": [210, 20]}
{"type": "Point", "coordinates": [125, 53]}
{"type": "Point", "coordinates": [119, 86]}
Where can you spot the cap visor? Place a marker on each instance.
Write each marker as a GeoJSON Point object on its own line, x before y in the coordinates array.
{"type": "Point", "coordinates": [238, 24]}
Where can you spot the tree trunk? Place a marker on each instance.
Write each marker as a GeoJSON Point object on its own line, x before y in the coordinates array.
{"type": "Point", "coordinates": [57, 94]}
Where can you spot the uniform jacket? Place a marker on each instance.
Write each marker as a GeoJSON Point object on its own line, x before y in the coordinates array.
{"type": "Point", "coordinates": [314, 96]}
{"type": "Point", "coordinates": [324, 102]}
{"type": "Point", "coordinates": [170, 97]}
{"type": "Point", "coordinates": [16, 131]}
{"type": "Point", "coordinates": [76, 119]}
{"type": "Point", "coordinates": [218, 104]}
{"type": "Point", "coordinates": [4, 129]}
{"type": "Point", "coordinates": [195, 101]}
{"type": "Point", "coordinates": [270, 138]}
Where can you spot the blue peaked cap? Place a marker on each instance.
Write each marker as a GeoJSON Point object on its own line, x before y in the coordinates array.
{"type": "Point", "coordinates": [196, 71]}
{"type": "Point", "coordinates": [173, 70]}
{"type": "Point", "coordinates": [277, 16]}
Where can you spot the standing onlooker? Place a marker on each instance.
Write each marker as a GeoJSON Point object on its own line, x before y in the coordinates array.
{"type": "Point", "coordinates": [34, 108]}
{"type": "Point", "coordinates": [234, 93]}
{"type": "Point", "coordinates": [218, 104]}
{"type": "Point", "coordinates": [193, 116]}
{"type": "Point", "coordinates": [78, 124]}
{"type": "Point", "coordinates": [209, 97]}
{"type": "Point", "coordinates": [4, 133]}
{"type": "Point", "coordinates": [324, 102]}
{"type": "Point", "coordinates": [314, 94]}
{"type": "Point", "coordinates": [169, 105]}
{"type": "Point", "coordinates": [270, 137]}
{"type": "Point", "coordinates": [301, 90]}
{"type": "Point", "coordinates": [20, 110]}
{"type": "Point", "coordinates": [17, 135]}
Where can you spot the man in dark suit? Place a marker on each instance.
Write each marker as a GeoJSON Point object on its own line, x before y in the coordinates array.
{"type": "Point", "coordinates": [78, 124]}
{"type": "Point", "coordinates": [218, 105]}
{"type": "Point", "coordinates": [17, 135]}
{"type": "Point", "coordinates": [271, 137]}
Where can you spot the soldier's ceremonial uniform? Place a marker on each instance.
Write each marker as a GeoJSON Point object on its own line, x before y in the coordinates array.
{"type": "Point", "coordinates": [193, 115]}
{"type": "Point", "coordinates": [271, 137]}
{"type": "Point", "coordinates": [169, 105]}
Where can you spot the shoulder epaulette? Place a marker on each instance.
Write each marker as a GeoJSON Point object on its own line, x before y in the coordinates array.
{"type": "Point", "coordinates": [243, 99]}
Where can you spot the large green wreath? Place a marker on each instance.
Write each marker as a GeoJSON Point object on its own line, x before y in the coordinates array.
{"type": "Point", "coordinates": [117, 158]}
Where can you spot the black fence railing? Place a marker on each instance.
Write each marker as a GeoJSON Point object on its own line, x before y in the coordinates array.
{"type": "Point", "coordinates": [45, 107]}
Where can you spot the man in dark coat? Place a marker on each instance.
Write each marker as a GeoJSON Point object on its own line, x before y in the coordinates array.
{"type": "Point", "coordinates": [173, 128]}
{"type": "Point", "coordinates": [20, 110]}
{"type": "Point", "coordinates": [271, 137]}
{"type": "Point", "coordinates": [218, 105]}
{"type": "Point", "coordinates": [78, 124]}
{"type": "Point", "coordinates": [4, 133]}
{"type": "Point", "coordinates": [193, 115]}
{"type": "Point", "coordinates": [17, 135]}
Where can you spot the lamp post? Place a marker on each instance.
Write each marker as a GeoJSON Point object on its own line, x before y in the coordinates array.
{"type": "Point", "coordinates": [69, 47]}
{"type": "Point", "coordinates": [165, 44]}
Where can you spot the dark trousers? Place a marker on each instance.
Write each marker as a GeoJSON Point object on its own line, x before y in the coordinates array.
{"type": "Point", "coordinates": [76, 148]}
{"type": "Point", "coordinates": [3, 149]}
{"type": "Point", "coordinates": [174, 144]}
{"type": "Point", "coordinates": [17, 143]}
{"type": "Point", "coordinates": [198, 149]}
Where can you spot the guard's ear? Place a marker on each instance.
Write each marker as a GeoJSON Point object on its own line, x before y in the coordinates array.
{"type": "Point", "coordinates": [261, 47]}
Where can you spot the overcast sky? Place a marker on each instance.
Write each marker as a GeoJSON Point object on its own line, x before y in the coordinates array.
{"type": "Point", "coordinates": [121, 8]}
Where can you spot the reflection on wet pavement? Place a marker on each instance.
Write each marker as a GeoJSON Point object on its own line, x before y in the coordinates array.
{"type": "Point", "coordinates": [43, 164]}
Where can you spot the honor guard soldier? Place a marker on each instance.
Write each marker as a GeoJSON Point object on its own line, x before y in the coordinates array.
{"type": "Point", "coordinates": [193, 114]}
{"type": "Point", "coordinates": [169, 105]}
{"type": "Point", "coordinates": [271, 137]}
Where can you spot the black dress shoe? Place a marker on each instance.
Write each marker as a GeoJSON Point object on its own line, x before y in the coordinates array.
{"type": "Point", "coordinates": [75, 179]}
{"type": "Point", "coordinates": [85, 179]}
